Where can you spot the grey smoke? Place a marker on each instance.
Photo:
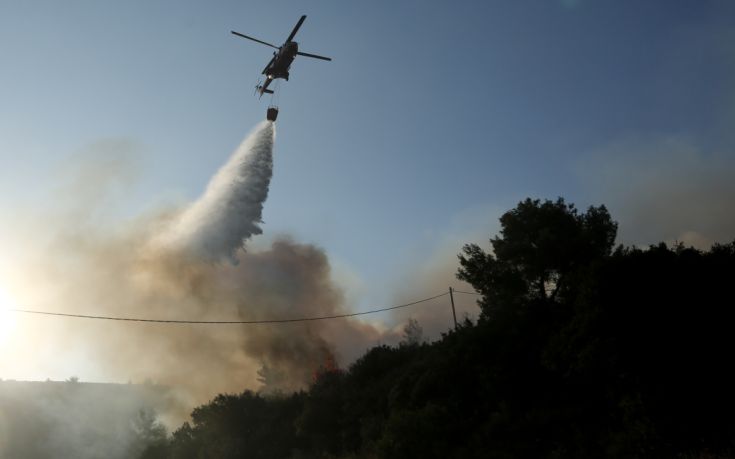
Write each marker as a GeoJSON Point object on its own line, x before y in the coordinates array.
{"type": "Point", "coordinates": [40, 420]}
{"type": "Point", "coordinates": [664, 189]}
{"type": "Point", "coordinates": [174, 265]}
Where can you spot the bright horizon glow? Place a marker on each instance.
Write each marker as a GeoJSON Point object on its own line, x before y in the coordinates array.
{"type": "Point", "coordinates": [8, 322]}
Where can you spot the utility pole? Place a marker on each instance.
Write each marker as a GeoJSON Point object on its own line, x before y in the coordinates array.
{"type": "Point", "coordinates": [454, 313]}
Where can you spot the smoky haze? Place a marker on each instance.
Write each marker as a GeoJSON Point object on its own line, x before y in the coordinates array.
{"type": "Point", "coordinates": [191, 263]}
{"type": "Point", "coordinates": [675, 190]}
{"type": "Point", "coordinates": [40, 420]}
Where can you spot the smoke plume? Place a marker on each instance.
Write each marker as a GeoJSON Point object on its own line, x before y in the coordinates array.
{"type": "Point", "coordinates": [191, 264]}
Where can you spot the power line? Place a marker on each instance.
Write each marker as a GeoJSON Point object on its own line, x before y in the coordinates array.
{"type": "Point", "coordinates": [224, 322]}
{"type": "Point", "coordinates": [467, 293]}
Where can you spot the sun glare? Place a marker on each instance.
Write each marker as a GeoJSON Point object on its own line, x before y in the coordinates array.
{"type": "Point", "coordinates": [7, 317]}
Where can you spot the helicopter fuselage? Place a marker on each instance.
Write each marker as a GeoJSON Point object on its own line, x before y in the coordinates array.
{"type": "Point", "coordinates": [282, 59]}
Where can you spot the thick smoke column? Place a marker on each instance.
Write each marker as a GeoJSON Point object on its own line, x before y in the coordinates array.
{"type": "Point", "coordinates": [173, 265]}
{"type": "Point", "coordinates": [229, 212]}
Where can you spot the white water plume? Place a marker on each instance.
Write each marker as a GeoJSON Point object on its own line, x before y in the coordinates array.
{"type": "Point", "coordinates": [230, 210]}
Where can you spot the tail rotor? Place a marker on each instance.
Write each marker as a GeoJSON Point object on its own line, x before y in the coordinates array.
{"type": "Point", "coordinates": [257, 87]}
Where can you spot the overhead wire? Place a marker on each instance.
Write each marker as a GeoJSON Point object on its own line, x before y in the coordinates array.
{"type": "Point", "coordinates": [467, 293]}
{"type": "Point", "coordinates": [226, 322]}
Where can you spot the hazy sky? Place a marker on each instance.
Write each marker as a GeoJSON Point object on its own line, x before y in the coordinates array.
{"type": "Point", "coordinates": [432, 119]}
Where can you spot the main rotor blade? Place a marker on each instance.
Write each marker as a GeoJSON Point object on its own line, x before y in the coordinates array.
{"type": "Point", "coordinates": [314, 56]}
{"type": "Point", "coordinates": [296, 29]}
{"type": "Point", "coordinates": [251, 38]}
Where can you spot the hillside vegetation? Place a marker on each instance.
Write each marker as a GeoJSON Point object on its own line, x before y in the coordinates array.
{"type": "Point", "coordinates": [581, 350]}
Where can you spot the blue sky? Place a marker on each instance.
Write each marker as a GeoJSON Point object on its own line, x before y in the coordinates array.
{"type": "Point", "coordinates": [432, 119]}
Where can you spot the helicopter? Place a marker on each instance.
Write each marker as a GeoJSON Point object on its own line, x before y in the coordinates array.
{"type": "Point", "coordinates": [282, 58]}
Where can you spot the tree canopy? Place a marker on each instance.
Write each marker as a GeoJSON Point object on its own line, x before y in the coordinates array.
{"type": "Point", "coordinates": [539, 246]}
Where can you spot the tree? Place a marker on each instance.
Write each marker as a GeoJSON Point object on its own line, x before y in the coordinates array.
{"type": "Point", "coordinates": [540, 245]}
{"type": "Point", "coordinates": [149, 436]}
{"type": "Point", "coordinates": [413, 333]}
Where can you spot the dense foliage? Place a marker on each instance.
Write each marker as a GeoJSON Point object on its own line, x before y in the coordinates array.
{"type": "Point", "coordinates": [581, 350]}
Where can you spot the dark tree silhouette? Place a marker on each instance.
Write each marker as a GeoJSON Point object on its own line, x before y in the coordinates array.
{"type": "Point", "coordinates": [540, 244]}
{"type": "Point", "coordinates": [413, 333]}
